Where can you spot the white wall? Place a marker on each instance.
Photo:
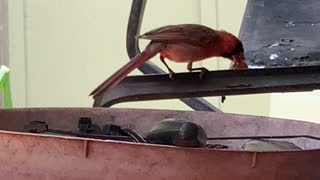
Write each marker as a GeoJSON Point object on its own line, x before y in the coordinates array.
{"type": "Point", "coordinates": [4, 49]}
{"type": "Point", "coordinates": [300, 106]}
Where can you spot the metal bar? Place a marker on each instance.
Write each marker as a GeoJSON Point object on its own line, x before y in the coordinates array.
{"type": "Point", "coordinates": [217, 83]}
{"type": "Point", "coordinates": [133, 29]}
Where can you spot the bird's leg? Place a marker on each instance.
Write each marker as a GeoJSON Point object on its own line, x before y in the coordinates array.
{"type": "Point", "coordinates": [223, 98]}
{"type": "Point", "coordinates": [202, 73]}
{"type": "Point", "coordinates": [202, 70]}
{"type": "Point", "coordinates": [169, 69]}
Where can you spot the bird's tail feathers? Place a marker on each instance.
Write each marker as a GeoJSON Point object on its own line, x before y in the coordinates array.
{"type": "Point", "coordinates": [151, 50]}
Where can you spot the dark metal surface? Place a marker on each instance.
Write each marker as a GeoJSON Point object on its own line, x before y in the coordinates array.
{"type": "Point", "coordinates": [133, 29]}
{"type": "Point", "coordinates": [288, 28]}
{"type": "Point", "coordinates": [253, 81]}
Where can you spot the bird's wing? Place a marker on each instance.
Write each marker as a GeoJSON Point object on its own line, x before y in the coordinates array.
{"type": "Point", "coordinates": [193, 34]}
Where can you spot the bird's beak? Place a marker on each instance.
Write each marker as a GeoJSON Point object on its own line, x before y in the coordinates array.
{"type": "Point", "coordinates": [238, 62]}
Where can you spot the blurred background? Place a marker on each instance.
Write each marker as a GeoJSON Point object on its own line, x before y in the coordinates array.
{"type": "Point", "coordinates": [60, 50]}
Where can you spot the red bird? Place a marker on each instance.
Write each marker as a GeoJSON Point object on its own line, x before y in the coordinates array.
{"type": "Point", "coordinates": [184, 43]}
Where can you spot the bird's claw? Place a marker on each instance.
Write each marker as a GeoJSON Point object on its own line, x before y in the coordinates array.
{"type": "Point", "coordinates": [171, 73]}
{"type": "Point", "coordinates": [203, 72]}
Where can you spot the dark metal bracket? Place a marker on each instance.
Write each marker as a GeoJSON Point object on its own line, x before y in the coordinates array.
{"type": "Point", "coordinates": [218, 83]}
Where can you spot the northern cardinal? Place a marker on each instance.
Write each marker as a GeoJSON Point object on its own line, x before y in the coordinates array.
{"type": "Point", "coordinates": [183, 43]}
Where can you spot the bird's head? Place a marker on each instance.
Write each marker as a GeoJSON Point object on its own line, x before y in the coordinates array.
{"type": "Point", "coordinates": [233, 50]}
